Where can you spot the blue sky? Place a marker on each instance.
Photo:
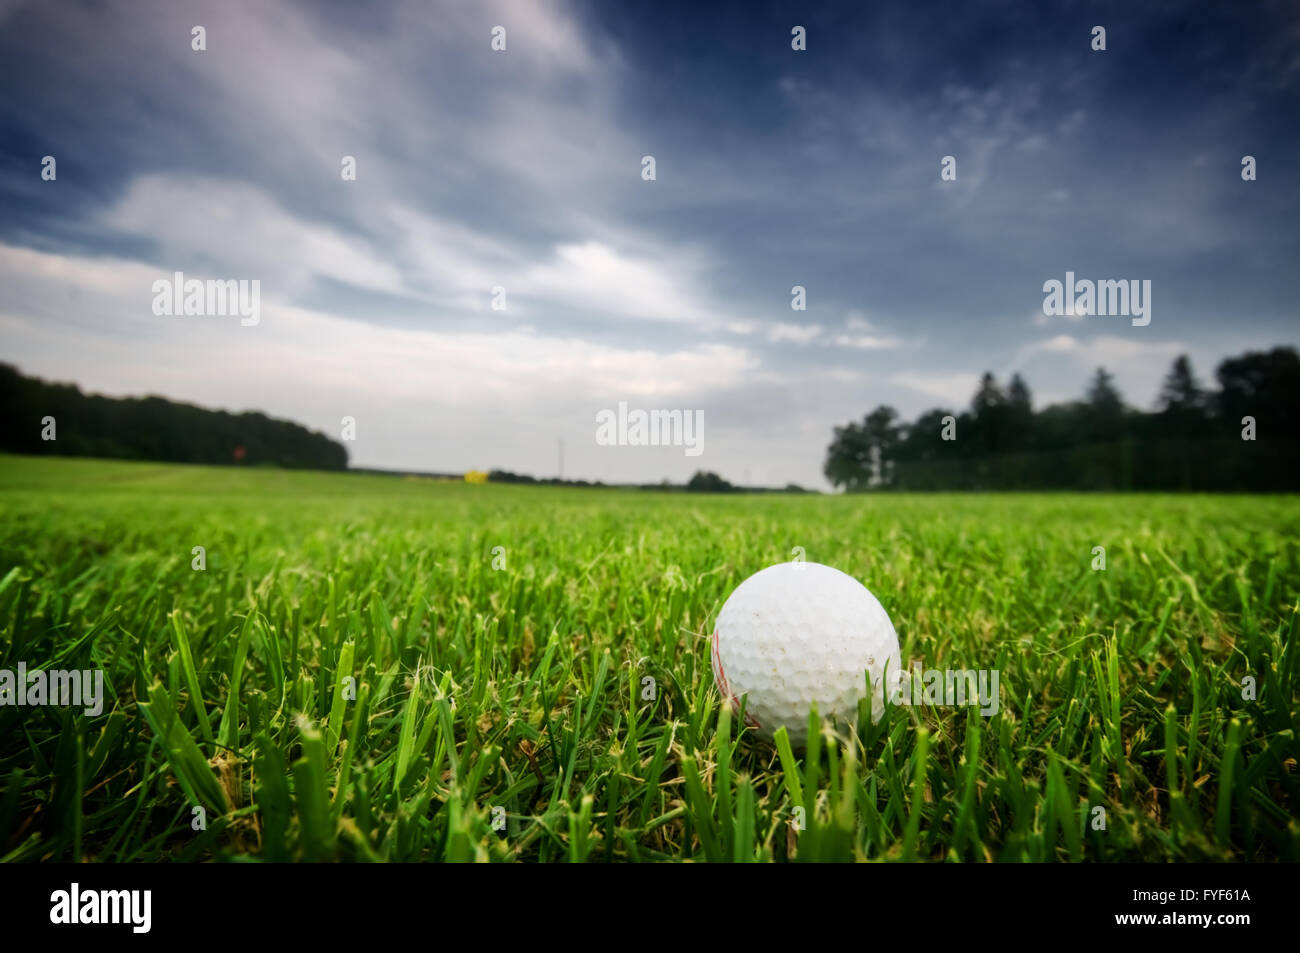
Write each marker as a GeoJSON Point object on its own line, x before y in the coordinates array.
{"type": "Point", "coordinates": [522, 169]}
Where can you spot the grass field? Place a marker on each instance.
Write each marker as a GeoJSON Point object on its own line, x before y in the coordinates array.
{"type": "Point", "coordinates": [518, 693]}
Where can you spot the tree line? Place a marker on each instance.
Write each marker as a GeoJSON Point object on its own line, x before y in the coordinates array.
{"type": "Point", "coordinates": [53, 418]}
{"type": "Point", "coordinates": [702, 481]}
{"type": "Point", "coordinates": [1243, 435]}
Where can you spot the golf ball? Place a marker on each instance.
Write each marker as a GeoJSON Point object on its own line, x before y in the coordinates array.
{"type": "Point", "coordinates": [798, 634]}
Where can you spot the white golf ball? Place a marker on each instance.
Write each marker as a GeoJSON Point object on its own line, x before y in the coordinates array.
{"type": "Point", "coordinates": [798, 634]}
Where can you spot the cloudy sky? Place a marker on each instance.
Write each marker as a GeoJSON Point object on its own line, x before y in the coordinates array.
{"type": "Point", "coordinates": [523, 169]}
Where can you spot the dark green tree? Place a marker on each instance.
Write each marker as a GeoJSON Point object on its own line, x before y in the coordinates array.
{"type": "Point", "coordinates": [860, 455]}
{"type": "Point", "coordinates": [1263, 385]}
{"type": "Point", "coordinates": [1194, 440]}
{"type": "Point", "coordinates": [1019, 414]}
{"type": "Point", "coordinates": [989, 419]}
{"type": "Point", "coordinates": [848, 458]}
{"type": "Point", "coordinates": [706, 481]}
{"type": "Point", "coordinates": [152, 428]}
{"type": "Point", "coordinates": [1183, 404]}
{"type": "Point", "coordinates": [1105, 409]}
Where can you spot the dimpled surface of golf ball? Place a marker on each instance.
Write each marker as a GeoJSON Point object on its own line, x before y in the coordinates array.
{"type": "Point", "coordinates": [798, 634]}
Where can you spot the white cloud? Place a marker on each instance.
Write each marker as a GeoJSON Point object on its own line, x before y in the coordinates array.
{"type": "Point", "coordinates": [866, 342]}
{"type": "Point", "coordinates": [799, 333]}
{"type": "Point", "coordinates": [951, 389]}
{"type": "Point", "coordinates": [541, 31]}
{"type": "Point", "coordinates": [1061, 344]}
{"type": "Point", "coordinates": [411, 390]}
{"type": "Point", "coordinates": [1107, 350]}
{"type": "Point", "coordinates": [446, 262]}
{"type": "Point", "coordinates": [237, 231]}
{"type": "Point", "coordinates": [816, 334]}
{"type": "Point", "coordinates": [594, 276]}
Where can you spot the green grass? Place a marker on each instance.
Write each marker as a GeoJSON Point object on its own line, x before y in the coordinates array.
{"type": "Point", "coordinates": [520, 693]}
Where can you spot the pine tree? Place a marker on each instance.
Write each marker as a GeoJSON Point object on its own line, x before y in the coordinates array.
{"type": "Point", "coordinates": [1105, 408]}
{"type": "Point", "coordinates": [1020, 413]}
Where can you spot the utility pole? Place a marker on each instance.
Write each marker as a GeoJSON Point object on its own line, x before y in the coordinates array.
{"type": "Point", "coordinates": [561, 459]}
